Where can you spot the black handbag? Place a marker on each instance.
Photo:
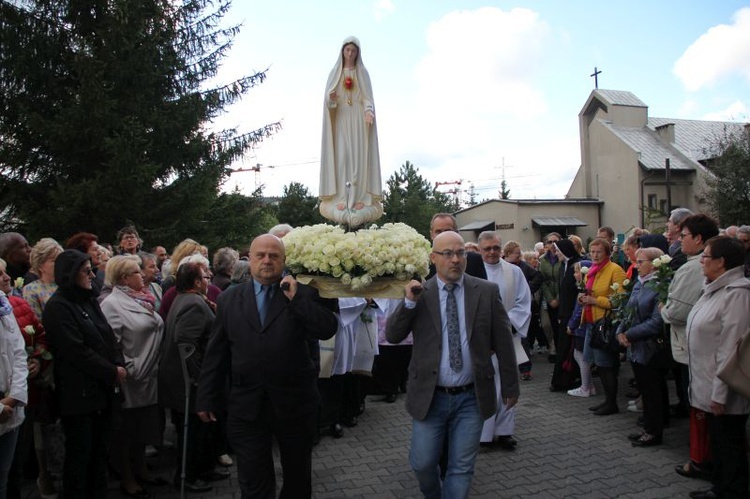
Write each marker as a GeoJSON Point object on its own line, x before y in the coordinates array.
{"type": "Point", "coordinates": [603, 335]}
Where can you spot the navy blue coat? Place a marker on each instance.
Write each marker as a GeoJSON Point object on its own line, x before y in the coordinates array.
{"type": "Point", "coordinates": [647, 323]}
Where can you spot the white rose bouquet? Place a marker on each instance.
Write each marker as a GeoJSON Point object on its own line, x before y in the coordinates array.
{"type": "Point", "coordinates": [662, 279]}
{"type": "Point", "coordinates": [356, 258]}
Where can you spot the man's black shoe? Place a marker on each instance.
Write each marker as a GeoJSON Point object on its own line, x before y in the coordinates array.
{"type": "Point", "coordinates": [506, 442]}
{"type": "Point", "coordinates": [390, 398]}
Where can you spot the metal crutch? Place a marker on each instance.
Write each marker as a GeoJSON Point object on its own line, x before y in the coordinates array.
{"type": "Point", "coordinates": [186, 350]}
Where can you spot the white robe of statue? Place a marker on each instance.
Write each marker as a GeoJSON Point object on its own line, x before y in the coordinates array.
{"type": "Point", "coordinates": [350, 183]}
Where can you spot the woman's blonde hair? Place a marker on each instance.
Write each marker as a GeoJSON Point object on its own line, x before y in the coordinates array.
{"type": "Point", "coordinates": [577, 243]}
{"type": "Point", "coordinates": [510, 247]}
{"type": "Point", "coordinates": [118, 268]}
{"type": "Point", "coordinates": [186, 248]}
{"type": "Point", "coordinates": [42, 251]}
{"type": "Point", "coordinates": [649, 253]}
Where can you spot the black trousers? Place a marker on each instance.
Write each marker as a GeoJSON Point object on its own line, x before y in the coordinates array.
{"type": "Point", "coordinates": [87, 437]}
{"type": "Point", "coordinates": [562, 379]}
{"type": "Point", "coordinates": [252, 442]}
{"type": "Point", "coordinates": [390, 369]}
{"type": "Point", "coordinates": [554, 320]}
{"type": "Point", "coordinates": [729, 450]}
{"type": "Point", "coordinates": [652, 384]}
{"type": "Point", "coordinates": [331, 396]}
{"type": "Point", "coordinates": [201, 440]}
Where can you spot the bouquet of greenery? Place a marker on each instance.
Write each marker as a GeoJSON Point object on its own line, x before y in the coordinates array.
{"type": "Point", "coordinates": [662, 278]}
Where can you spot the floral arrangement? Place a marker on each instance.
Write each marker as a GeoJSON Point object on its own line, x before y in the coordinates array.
{"type": "Point", "coordinates": [662, 278]}
{"type": "Point", "coordinates": [356, 258]}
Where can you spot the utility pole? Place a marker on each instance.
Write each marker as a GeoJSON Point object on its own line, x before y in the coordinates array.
{"type": "Point", "coordinates": [504, 192]}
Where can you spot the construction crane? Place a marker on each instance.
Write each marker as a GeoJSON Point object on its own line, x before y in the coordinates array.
{"type": "Point", "coordinates": [455, 191]}
{"type": "Point", "coordinates": [255, 169]}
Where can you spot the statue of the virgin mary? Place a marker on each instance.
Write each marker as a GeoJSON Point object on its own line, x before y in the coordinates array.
{"type": "Point", "coordinates": [350, 184]}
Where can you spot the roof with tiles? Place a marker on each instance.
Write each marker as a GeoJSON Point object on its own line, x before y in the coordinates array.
{"type": "Point", "coordinates": [620, 98]}
{"type": "Point", "coordinates": [651, 148]}
{"type": "Point", "coordinates": [695, 138]}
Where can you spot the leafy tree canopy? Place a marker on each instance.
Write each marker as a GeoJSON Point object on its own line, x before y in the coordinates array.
{"type": "Point", "coordinates": [298, 207]}
{"type": "Point", "coordinates": [104, 114]}
{"type": "Point", "coordinates": [728, 191]}
{"type": "Point", "coordinates": [411, 199]}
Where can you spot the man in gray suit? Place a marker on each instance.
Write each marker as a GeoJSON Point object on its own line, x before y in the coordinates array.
{"type": "Point", "coordinates": [458, 322]}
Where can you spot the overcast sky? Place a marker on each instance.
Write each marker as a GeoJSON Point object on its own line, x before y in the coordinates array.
{"type": "Point", "coordinates": [463, 87]}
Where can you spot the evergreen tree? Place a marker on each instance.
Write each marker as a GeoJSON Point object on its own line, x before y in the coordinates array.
{"type": "Point", "coordinates": [472, 195]}
{"type": "Point", "coordinates": [504, 191]}
{"type": "Point", "coordinates": [298, 207]}
{"type": "Point", "coordinates": [728, 190]}
{"type": "Point", "coordinates": [411, 199]}
{"type": "Point", "coordinates": [234, 220]}
{"type": "Point", "coordinates": [104, 108]}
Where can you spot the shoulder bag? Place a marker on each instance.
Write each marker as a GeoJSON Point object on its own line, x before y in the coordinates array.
{"type": "Point", "coordinates": [736, 369]}
{"type": "Point", "coordinates": [603, 335]}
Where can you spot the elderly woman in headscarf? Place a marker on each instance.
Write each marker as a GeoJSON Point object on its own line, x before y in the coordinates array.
{"type": "Point", "coordinates": [350, 184]}
{"type": "Point", "coordinates": [565, 371]}
{"type": "Point", "coordinates": [89, 369]}
{"type": "Point", "coordinates": [130, 311]}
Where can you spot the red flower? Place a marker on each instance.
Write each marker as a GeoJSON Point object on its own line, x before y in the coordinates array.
{"type": "Point", "coordinates": [348, 83]}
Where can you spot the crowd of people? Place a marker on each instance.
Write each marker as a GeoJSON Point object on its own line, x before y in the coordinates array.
{"type": "Point", "coordinates": [113, 342]}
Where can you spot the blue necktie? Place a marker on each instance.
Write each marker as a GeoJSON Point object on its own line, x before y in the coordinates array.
{"type": "Point", "coordinates": [454, 330]}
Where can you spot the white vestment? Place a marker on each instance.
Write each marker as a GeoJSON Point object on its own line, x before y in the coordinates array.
{"type": "Point", "coordinates": [516, 296]}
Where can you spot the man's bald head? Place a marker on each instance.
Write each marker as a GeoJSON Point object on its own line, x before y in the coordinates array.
{"type": "Point", "coordinates": [267, 257]}
{"type": "Point", "coordinates": [449, 256]}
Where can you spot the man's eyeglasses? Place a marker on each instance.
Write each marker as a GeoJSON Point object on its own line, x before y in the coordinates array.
{"type": "Point", "coordinates": [490, 248]}
{"type": "Point", "coordinates": [448, 254]}
{"type": "Point", "coordinates": [705, 257]}
{"type": "Point", "coordinates": [683, 235]}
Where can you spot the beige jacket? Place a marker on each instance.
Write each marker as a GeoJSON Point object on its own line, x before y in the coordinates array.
{"type": "Point", "coordinates": [684, 291]}
{"type": "Point", "coordinates": [139, 332]}
{"type": "Point", "coordinates": [716, 322]}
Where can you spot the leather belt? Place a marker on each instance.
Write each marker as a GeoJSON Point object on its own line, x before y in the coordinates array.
{"type": "Point", "coordinates": [454, 390]}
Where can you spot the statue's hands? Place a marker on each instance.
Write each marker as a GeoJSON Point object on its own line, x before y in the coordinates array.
{"type": "Point", "coordinates": [333, 95]}
{"type": "Point", "coordinates": [369, 117]}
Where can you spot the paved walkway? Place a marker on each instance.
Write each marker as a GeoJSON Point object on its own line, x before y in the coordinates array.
{"type": "Point", "coordinates": [563, 451]}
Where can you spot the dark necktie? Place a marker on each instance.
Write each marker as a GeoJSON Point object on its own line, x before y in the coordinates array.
{"type": "Point", "coordinates": [454, 330]}
{"type": "Point", "coordinates": [267, 292]}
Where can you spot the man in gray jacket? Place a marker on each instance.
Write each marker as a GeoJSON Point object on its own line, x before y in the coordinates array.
{"type": "Point", "coordinates": [458, 323]}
